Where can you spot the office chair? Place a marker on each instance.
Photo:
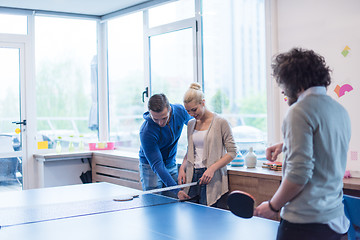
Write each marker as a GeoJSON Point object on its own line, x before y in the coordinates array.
{"type": "Point", "coordinates": [352, 211]}
{"type": "Point", "coordinates": [8, 166]}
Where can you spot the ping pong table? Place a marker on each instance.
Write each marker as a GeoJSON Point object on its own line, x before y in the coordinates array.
{"type": "Point", "coordinates": [88, 212]}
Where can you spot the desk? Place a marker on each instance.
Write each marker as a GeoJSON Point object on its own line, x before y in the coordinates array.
{"type": "Point", "coordinates": [262, 183]}
{"type": "Point", "coordinates": [122, 168]}
{"type": "Point", "coordinates": [150, 216]}
{"type": "Point", "coordinates": [259, 182]}
{"type": "Point", "coordinates": [352, 186]}
{"type": "Point", "coordinates": [60, 169]}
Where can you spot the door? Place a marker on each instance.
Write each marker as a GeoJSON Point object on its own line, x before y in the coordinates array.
{"type": "Point", "coordinates": [172, 63]}
{"type": "Point", "coordinates": [172, 46]}
{"type": "Point", "coordinates": [12, 122]}
{"type": "Point", "coordinates": [173, 56]}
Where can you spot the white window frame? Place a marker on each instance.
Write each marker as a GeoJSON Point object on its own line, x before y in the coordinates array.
{"type": "Point", "coordinates": [27, 101]}
{"type": "Point", "coordinates": [194, 23]}
{"type": "Point", "coordinates": [273, 92]}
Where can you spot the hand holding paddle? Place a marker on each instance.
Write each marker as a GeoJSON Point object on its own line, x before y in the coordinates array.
{"type": "Point", "coordinates": [242, 205]}
{"type": "Point", "coordinates": [264, 210]}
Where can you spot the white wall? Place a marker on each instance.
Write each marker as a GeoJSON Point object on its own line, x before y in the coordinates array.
{"type": "Point", "coordinates": [327, 27]}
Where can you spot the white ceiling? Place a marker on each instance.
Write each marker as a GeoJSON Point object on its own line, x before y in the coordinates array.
{"type": "Point", "coordinates": [88, 7]}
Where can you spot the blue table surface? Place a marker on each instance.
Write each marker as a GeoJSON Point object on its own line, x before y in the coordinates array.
{"type": "Point", "coordinates": [96, 216]}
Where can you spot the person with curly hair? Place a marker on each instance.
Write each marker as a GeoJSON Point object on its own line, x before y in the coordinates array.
{"type": "Point", "coordinates": [316, 135]}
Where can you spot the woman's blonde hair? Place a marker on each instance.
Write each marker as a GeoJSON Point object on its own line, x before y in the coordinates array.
{"type": "Point", "coordinates": [194, 93]}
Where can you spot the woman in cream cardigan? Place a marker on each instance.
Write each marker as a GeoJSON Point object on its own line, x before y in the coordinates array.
{"type": "Point", "coordinates": [211, 147]}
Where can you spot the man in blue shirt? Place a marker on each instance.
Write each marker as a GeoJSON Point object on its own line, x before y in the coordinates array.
{"type": "Point", "coordinates": [159, 135]}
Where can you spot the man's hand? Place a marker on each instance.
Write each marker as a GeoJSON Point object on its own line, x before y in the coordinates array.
{"type": "Point", "coordinates": [182, 195]}
{"type": "Point", "coordinates": [273, 151]}
{"type": "Point", "coordinates": [263, 210]}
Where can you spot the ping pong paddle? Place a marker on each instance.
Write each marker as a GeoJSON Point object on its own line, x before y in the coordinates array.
{"type": "Point", "coordinates": [241, 204]}
{"type": "Point", "coordinates": [125, 198]}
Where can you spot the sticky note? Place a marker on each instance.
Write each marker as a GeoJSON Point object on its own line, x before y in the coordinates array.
{"type": "Point", "coordinates": [43, 145]}
{"type": "Point", "coordinates": [354, 155]}
{"type": "Point", "coordinates": [101, 145]}
{"type": "Point", "coordinates": [340, 91]}
{"type": "Point", "coordinates": [345, 52]}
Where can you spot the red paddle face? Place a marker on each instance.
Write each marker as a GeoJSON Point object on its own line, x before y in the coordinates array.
{"type": "Point", "coordinates": [241, 204]}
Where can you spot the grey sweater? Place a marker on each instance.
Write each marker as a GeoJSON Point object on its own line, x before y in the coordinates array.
{"type": "Point", "coordinates": [316, 132]}
{"type": "Point", "coordinates": [218, 141]}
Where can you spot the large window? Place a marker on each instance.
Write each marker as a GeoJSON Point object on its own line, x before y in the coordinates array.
{"type": "Point", "coordinates": [66, 80]}
{"type": "Point", "coordinates": [169, 57]}
{"type": "Point", "coordinates": [126, 80]}
{"type": "Point", "coordinates": [234, 67]}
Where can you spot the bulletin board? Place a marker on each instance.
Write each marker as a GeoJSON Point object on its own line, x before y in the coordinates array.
{"type": "Point", "coordinates": [332, 29]}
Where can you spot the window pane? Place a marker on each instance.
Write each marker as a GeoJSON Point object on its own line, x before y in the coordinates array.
{"type": "Point", "coordinates": [65, 79]}
{"type": "Point", "coordinates": [126, 80]}
{"type": "Point", "coordinates": [9, 91]}
{"type": "Point", "coordinates": [171, 12]}
{"type": "Point", "coordinates": [234, 67]}
{"type": "Point", "coordinates": [10, 139]}
{"type": "Point", "coordinates": [15, 24]}
{"type": "Point", "coordinates": [172, 64]}
{"type": "Point", "coordinates": [10, 174]}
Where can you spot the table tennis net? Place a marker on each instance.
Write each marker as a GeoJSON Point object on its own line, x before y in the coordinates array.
{"type": "Point", "coordinates": [39, 213]}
